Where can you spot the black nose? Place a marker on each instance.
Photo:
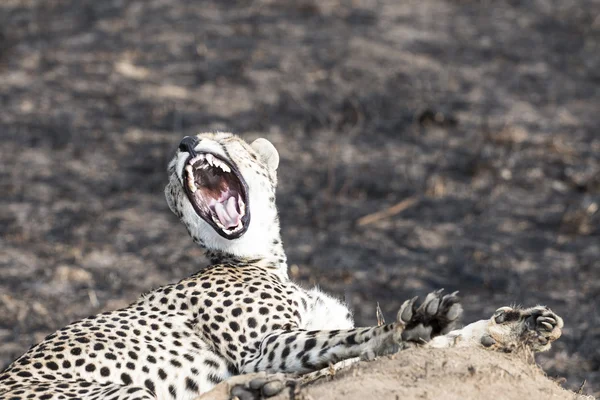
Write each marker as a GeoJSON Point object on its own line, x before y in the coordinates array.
{"type": "Point", "coordinates": [188, 143]}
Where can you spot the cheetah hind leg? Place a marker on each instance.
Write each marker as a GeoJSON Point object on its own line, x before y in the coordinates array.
{"type": "Point", "coordinates": [508, 329]}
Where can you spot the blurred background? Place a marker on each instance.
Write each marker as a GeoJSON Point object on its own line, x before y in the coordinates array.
{"type": "Point", "coordinates": [424, 144]}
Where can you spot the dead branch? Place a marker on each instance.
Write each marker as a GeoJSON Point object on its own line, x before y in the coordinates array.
{"type": "Point", "coordinates": [388, 212]}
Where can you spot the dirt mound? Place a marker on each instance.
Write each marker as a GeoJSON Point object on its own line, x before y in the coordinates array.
{"type": "Point", "coordinates": [448, 374]}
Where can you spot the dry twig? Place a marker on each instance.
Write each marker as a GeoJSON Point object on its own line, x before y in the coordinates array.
{"type": "Point", "coordinates": [380, 318]}
{"type": "Point", "coordinates": [388, 212]}
{"type": "Point", "coordinates": [580, 390]}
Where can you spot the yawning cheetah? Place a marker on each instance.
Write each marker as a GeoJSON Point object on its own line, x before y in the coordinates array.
{"type": "Point", "coordinates": [241, 313]}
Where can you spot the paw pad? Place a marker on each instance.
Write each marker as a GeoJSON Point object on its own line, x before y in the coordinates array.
{"type": "Point", "coordinates": [261, 387]}
{"type": "Point", "coordinates": [537, 327]}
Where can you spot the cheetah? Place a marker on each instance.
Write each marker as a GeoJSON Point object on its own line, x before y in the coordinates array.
{"type": "Point", "coordinates": [240, 314]}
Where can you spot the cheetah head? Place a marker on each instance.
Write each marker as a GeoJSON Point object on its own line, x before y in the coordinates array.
{"type": "Point", "coordinates": [223, 190]}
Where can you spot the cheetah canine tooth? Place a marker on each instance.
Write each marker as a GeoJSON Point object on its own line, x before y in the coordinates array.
{"type": "Point", "coordinates": [210, 159]}
{"type": "Point", "coordinates": [242, 205]}
{"type": "Point", "coordinates": [190, 178]}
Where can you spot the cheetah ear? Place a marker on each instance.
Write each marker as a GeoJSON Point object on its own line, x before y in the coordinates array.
{"type": "Point", "coordinates": [267, 152]}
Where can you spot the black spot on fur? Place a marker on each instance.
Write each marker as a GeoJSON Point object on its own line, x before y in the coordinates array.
{"type": "Point", "coordinates": [191, 385]}
{"type": "Point", "coordinates": [126, 379]}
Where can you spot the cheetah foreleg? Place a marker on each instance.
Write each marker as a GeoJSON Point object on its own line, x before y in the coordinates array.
{"type": "Point", "coordinates": [300, 351]}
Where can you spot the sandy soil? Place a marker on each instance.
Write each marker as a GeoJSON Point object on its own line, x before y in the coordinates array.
{"type": "Point", "coordinates": [449, 374]}
{"type": "Point", "coordinates": [453, 374]}
{"type": "Point", "coordinates": [481, 116]}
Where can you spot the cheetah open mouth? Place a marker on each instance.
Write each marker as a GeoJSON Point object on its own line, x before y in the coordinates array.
{"type": "Point", "coordinates": [218, 193]}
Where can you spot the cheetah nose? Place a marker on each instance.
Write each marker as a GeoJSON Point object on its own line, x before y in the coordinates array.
{"type": "Point", "coordinates": [187, 144]}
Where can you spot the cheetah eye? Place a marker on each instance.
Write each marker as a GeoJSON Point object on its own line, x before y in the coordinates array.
{"type": "Point", "coordinates": [218, 193]}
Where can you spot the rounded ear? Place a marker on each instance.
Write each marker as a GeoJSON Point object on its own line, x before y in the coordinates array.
{"type": "Point", "coordinates": [267, 152]}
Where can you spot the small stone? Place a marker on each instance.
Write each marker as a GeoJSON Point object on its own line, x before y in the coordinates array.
{"type": "Point", "coordinates": [65, 273]}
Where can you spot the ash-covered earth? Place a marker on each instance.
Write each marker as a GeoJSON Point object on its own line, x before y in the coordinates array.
{"type": "Point", "coordinates": [424, 144]}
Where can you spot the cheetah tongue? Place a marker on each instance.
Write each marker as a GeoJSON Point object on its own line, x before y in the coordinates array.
{"type": "Point", "coordinates": [227, 213]}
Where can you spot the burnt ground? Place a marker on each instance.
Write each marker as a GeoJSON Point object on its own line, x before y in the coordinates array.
{"type": "Point", "coordinates": [481, 116]}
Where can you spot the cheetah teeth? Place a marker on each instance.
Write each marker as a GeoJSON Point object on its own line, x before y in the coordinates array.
{"type": "Point", "coordinates": [190, 178]}
{"type": "Point", "coordinates": [205, 160]}
{"type": "Point", "coordinates": [234, 230]}
{"type": "Point", "coordinates": [242, 205]}
{"type": "Point", "coordinates": [220, 164]}
{"type": "Point", "coordinates": [228, 230]}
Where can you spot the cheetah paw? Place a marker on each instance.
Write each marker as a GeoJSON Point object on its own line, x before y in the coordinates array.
{"type": "Point", "coordinates": [510, 328]}
{"type": "Point", "coordinates": [253, 386]}
{"type": "Point", "coordinates": [260, 386]}
{"type": "Point", "coordinates": [437, 315]}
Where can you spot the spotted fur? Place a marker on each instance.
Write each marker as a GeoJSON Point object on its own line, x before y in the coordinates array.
{"type": "Point", "coordinates": [182, 339]}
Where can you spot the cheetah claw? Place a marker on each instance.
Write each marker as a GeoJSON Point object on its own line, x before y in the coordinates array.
{"type": "Point", "coordinates": [437, 315]}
